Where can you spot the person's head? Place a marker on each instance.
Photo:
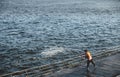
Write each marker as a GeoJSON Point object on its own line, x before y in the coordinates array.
{"type": "Point", "coordinates": [85, 50]}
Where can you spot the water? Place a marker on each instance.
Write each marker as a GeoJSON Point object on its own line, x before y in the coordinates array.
{"type": "Point", "coordinates": [39, 32]}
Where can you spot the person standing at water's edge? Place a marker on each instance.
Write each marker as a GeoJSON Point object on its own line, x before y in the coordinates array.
{"type": "Point", "coordinates": [89, 58]}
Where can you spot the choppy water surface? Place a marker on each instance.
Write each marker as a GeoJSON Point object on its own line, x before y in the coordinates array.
{"type": "Point", "coordinates": [37, 32]}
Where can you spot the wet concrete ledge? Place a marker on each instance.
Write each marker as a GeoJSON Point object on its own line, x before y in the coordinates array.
{"type": "Point", "coordinates": [46, 70]}
{"type": "Point", "coordinates": [105, 67]}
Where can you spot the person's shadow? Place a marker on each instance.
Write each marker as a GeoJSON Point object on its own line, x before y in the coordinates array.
{"type": "Point", "coordinates": [91, 73]}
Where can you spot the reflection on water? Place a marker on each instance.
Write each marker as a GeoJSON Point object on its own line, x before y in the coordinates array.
{"type": "Point", "coordinates": [91, 73]}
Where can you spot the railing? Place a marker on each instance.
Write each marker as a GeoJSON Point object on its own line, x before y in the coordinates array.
{"type": "Point", "coordinates": [41, 71]}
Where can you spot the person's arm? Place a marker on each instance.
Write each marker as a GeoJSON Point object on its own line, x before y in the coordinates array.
{"type": "Point", "coordinates": [82, 56]}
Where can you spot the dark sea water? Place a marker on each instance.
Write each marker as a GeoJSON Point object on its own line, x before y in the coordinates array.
{"type": "Point", "coordinates": [38, 32]}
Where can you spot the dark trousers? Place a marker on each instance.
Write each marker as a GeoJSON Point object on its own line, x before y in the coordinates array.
{"type": "Point", "coordinates": [90, 61]}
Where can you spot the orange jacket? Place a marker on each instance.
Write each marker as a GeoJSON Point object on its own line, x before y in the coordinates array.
{"type": "Point", "coordinates": [88, 55]}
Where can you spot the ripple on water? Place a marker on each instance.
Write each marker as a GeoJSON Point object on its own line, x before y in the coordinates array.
{"type": "Point", "coordinates": [35, 33]}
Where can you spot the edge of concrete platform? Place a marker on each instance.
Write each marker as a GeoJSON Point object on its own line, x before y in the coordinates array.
{"type": "Point", "coordinates": [68, 63]}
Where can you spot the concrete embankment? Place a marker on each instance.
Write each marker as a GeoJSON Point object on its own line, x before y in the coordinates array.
{"type": "Point", "coordinates": [105, 67]}
{"type": "Point", "coordinates": [74, 64]}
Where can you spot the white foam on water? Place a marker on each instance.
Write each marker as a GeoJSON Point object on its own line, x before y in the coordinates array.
{"type": "Point", "coordinates": [52, 51]}
{"type": "Point", "coordinates": [118, 76]}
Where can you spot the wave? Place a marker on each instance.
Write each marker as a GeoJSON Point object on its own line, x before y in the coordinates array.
{"type": "Point", "coordinates": [52, 51]}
